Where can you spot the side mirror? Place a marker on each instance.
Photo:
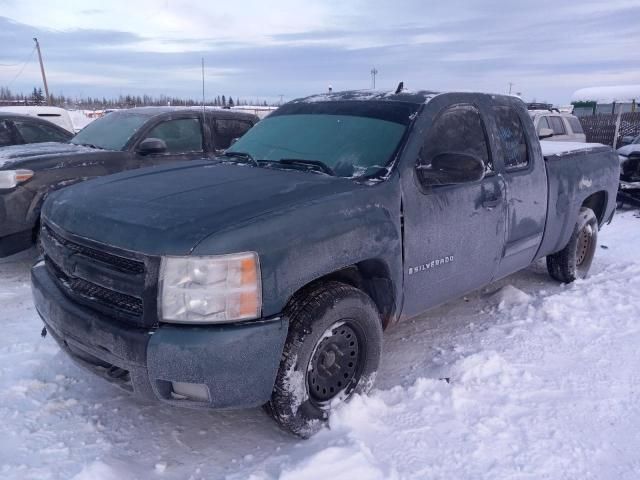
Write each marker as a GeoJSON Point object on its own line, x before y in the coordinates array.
{"type": "Point", "coordinates": [150, 146]}
{"type": "Point", "coordinates": [545, 133]}
{"type": "Point", "coordinates": [452, 168]}
{"type": "Point", "coordinates": [627, 140]}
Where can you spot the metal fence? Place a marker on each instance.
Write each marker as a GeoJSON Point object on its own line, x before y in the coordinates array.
{"type": "Point", "coordinates": [601, 128]}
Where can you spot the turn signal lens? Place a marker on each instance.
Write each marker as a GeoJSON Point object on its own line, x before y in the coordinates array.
{"type": "Point", "coordinates": [11, 178]}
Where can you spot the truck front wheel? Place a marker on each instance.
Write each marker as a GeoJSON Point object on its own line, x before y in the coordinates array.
{"type": "Point", "coordinates": [574, 260]}
{"type": "Point", "coordinates": [332, 352]}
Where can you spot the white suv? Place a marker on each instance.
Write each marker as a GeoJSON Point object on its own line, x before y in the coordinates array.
{"type": "Point", "coordinates": [557, 126]}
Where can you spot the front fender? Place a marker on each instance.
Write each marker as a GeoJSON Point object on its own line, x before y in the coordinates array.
{"type": "Point", "coordinates": [40, 195]}
{"type": "Point", "coordinates": [305, 242]}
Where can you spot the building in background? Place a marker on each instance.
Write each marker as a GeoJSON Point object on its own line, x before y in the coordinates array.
{"type": "Point", "coordinates": [608, 100]}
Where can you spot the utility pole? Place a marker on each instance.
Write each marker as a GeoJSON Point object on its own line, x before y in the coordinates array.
{"type": "Point", "coordinates": [510, 87]}
{"type": "Point", "coordinates": [281, 98]}
{"type": "Point", "coordinates": [374, 72]}
{"type": "Point", "coordinates": [44, 77]}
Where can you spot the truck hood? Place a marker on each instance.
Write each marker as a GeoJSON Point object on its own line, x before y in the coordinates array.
{"type": "Point", "coordinates": [169, 210]}
{"type": "Point", "coordinates": [33, 154]}
{"type": "Point", "coordinates": [629, 149]}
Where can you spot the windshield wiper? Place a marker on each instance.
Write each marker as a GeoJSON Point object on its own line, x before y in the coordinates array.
{"type": "Point", "coordinates": [246, 157]}
{"type": "Point", "coordinates": [314, 165]}
{"type": "Point", "coordinates": [90, 145]}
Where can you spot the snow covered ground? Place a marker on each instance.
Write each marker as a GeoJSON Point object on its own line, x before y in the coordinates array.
{"type": "Point", "coordinates": [543, 382]}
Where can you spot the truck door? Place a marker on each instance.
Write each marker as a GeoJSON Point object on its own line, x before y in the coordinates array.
{"type": "Point", "coordinates": [183, 137]}
{"type": "Point", "coordinates": [525, 177]}
{"type": "Point", "coordinates": [453, 234]}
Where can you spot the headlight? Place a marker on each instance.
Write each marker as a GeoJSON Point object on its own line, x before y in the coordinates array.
{"type": "Point", "coordinates": [11, 178]}
{"type": "Point", "coordinates": [622, 159]}
{"type": "Point", "coordinates": [212, 289]}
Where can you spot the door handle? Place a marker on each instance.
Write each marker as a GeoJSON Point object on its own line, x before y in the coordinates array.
{"type": "Point", "coordinates": [491, 202]}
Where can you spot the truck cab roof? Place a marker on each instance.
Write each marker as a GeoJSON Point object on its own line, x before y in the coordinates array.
{"type": "Point", "coordinates": [417, 97]}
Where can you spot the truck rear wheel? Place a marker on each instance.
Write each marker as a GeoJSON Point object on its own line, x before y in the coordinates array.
{"type": "Point", "coordinates": [574, 260]}
{"type": "Point", "coordinates": [332, 352]}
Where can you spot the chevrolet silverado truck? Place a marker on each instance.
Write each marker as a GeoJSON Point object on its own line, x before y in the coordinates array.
{"type": "Point", "coordinates": [122, 140]}
{"type": "Point", "coordinates": [267, 277]}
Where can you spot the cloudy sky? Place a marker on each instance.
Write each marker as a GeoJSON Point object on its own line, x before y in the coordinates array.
{"type": "Point", "coordinates": [259, 49]}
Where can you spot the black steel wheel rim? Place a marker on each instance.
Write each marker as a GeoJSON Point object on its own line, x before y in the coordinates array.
{"type": "Point", "coordinates": [335, 365]}
{"type": "Point", "coordinates": [583, 247]}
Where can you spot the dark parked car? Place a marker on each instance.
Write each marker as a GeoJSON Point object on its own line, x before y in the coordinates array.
{"type": "Point", "coordinates": [267, 278]}
{"type": "Point", "coordinates": [16, 129]}
{"type": "Point", "coordinates": [122, 140]}
{"type": "Point", "coordinates": [629, 155]}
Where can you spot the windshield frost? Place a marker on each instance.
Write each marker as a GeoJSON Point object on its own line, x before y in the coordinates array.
{"type": "Point", "coordinates": [111, 132]}
{"type": "Point", "coordinates": [351, 146]}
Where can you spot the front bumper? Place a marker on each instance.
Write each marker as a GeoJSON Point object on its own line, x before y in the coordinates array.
{"type": "Point", "coordinates": [237, 363]}
{"type": "Point", "coordinates": [15, 242]}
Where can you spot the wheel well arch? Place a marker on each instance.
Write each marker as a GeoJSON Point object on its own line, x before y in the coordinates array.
{"type": "Point", "coordinates": [373, 277]}
{"type": "Point", "coordinates": [597, 202]}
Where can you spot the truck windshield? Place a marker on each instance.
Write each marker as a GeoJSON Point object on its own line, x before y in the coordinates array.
{"type": "Point", "coordinates": [350, 146]}
{"type": "Point", "coordinates": [111, 132]}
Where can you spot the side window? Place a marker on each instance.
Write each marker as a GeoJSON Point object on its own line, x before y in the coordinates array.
{"type": "Point", "coordinates": [575, 124]}
{"type": "Point", "coordinates": [543, 123]}
{"type": "Point", "coordinates": [36, 133]}
{"type": "Point", "coordinates": [458, 129]}
{"type": "Point", "coordinates": [557, 125]}
{"type": "Point", "coordinates": [512, 138]}
{"type": "Point", "coordinates": [181, 136]}
{"type": "Point", "coordinates": [5, 134]}
{"type": "Point", "coordinates": [228, 129]}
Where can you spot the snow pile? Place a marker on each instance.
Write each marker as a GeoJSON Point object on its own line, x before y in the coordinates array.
{"type": "Point", "coordinates": [509, 295]}
{"type": "Point", "coordinates": [80, 119]}
{"type": "Point", "coordinates": [538, 380]}
{"type": "Point", "coordinates": [101, 471]}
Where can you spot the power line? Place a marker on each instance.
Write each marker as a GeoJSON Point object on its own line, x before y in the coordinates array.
{"type": "Point", "coordinates": [23, 67]}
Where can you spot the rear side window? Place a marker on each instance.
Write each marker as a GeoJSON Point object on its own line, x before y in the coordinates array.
{"type": "Point", "coordinates": [36, 133]}
{"type": "Point", "coordinates": [228, 129]}
{"type": "Point", "coordinates": [557, 125]}
{"type": "Point", "coordinates": [5, 134]}
{"type": "Point", "coordinates": [181, 136]}
{"type": "Point", "coordinates": [543, 123]}
{"type": "Point", "coordinates": [512, 138]}
{"type": "Point", "coordinates": [575, 125]}
{"type": "Point", "coordinates": [457, 129]}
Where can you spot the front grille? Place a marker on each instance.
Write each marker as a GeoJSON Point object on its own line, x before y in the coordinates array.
{"type": "Point", "coordinates": [92, 292]}
{"type": "Point", "coordinates": [126, 265]}
{"type": "Point", "coordinates": [102, 277]}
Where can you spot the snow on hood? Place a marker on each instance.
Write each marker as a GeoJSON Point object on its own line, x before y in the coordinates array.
{"type": "Point", "coordinates": [629, 149]}
{"type": "Point", "coordinates": [32, 150]}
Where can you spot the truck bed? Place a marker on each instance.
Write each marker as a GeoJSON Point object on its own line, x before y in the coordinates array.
{"type": "Point", "coordinates": [575, 171]}
{"type": "Point", "coordinates": [566, 148]}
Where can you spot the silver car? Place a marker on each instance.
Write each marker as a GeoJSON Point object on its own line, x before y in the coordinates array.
{"type": "Point", "coordinates": [557, 126]}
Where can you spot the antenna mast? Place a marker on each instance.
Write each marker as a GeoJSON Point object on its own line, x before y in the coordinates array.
{"type": "Point", "coordinates": [44, 77]}
{"type": "Point", "coordinates": [203, 120]}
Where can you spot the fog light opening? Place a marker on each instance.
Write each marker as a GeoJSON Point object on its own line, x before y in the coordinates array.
{"type": "Point", "coordinates": [190, 391]}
